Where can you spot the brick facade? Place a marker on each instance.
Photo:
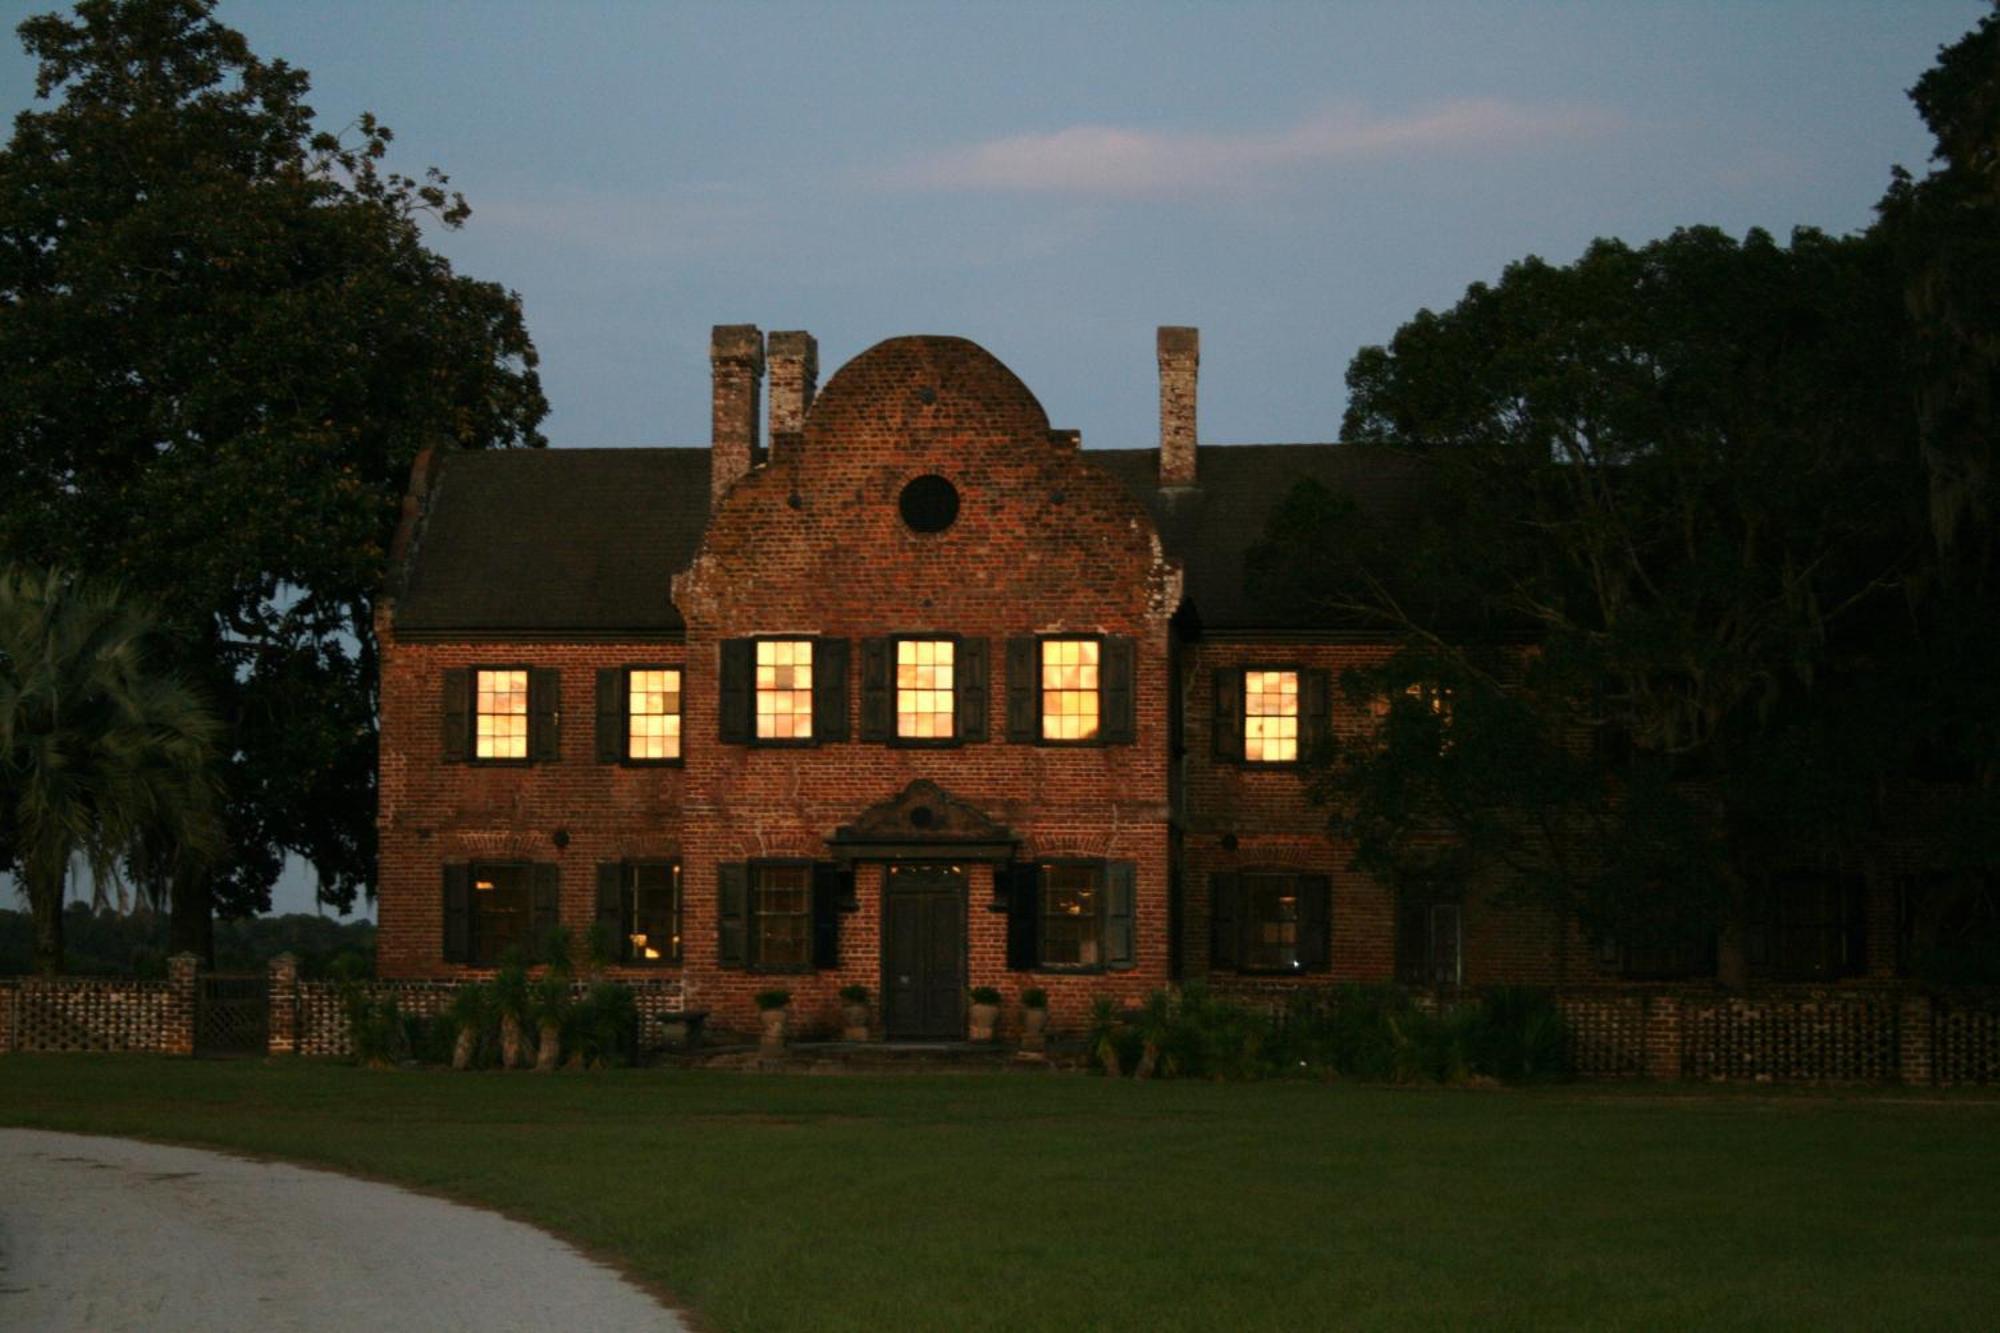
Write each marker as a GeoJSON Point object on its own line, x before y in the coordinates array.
{"type": "Point", "coordinates": [808, 539]}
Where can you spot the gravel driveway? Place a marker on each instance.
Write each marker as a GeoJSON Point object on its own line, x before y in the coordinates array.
{"type": "Point", "coordinates": [108, 1234]}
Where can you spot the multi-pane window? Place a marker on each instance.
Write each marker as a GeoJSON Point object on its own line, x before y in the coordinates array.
{"type": "Point", "coordinates": [501, 910]}
{"type": "Point", "coordinates": [781, 916]}
{"type": "Point", "coordinates": [1271, 923]}
{"type": "Point", "coordinates": [1072, 915]}
{"type": "Point", "coordinates": [784, 689]}
{"type": "Point", "coordinates": [924, 689]}
{"type": "Point", "coordinates": [655, 930]}
{"type": "Point", "coordinates": [500, 729]}
{"type": "Point", "coordinates": [1270, 717]}
{"type": "Point", "coordinates": [1069, 689]}
{"type": "Point", "coordinates": [1429, 942]}
{"type": "Point", "coordinates": [653, 714]}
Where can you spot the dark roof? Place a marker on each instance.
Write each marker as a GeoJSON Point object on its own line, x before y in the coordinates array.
{"type": "Point", "coordinates": [1213, 524]}
{"type": "Point", "coordinates": [534, 542]}
{"type": "Point", "coordinates": [539, 540]}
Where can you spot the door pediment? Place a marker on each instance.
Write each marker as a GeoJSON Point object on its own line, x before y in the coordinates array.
{"type": "Point", "coordinates": [923, 820]}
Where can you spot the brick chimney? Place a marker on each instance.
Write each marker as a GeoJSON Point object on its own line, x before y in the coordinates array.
{"type": "Point", "coordinates": [1180, 364]}
{"type": "Point", "coordinates": [794, 358]}
{"type": "Point", "coordinates": [736, 358]}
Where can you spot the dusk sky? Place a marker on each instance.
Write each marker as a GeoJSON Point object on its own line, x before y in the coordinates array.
{"type": "Point", "coordinates": [1053, 181]}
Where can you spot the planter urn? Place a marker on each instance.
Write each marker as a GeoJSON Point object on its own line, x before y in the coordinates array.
{"type": "Point", "coordinates": [854, 1022]}
{"type": "Point", "coordinates": [773, 1041]}
{"type": "Point", "coordinates": [985, 1017]}
{"type": "Point", "coordinates": [1034, 1023]}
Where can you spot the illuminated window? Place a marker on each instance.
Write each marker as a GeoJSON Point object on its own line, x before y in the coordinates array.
{"type": "Point", "coordinates": [653, 714]}
{"type": "Point", "coordinates": [781, 916]}
{"type": "Point", "coordinates": [1271, 923]}
{"type": "Point", "coordinates": [1069, 689]}
{"type": "Point", "coordinates": [500, 729]}
{"type": "Point", "coordinates": [1270, 717]}
{"type": "Point", "coordinates": [784, 689]}
{"type": "Point", "coordinates": [924, 689]}
{"type": "Point", "coordinates": [653, 925]}
{"type": "Point", "coordinates": [502, 909]}
{"type": "Point", "coordinates": [1072, 915]}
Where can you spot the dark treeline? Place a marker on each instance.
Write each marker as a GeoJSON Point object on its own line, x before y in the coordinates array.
{"type": "Point", "coordinates": [112, 944]}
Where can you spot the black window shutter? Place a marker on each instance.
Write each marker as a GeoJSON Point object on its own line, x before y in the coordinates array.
{"type": "Point", "coordinates": [1121, 709]}
{"type": "Point", "coordinates": [458, 914]}
{"type": "Point", "coordinates": [457, 737]}
{"type": "Point", "coordinates": [1228, 720]}
{"type": "Point", "coordinates": [878, 699]}
{"type": "Point", "coordinates": [612, 700]}
{"type": "Point", "coordinates": [828, 890]}
{"type": "Point", "coordinates": [732, 913]}
{"type": "Point", "coordinates": [614, 911]}
{"type": "Point", "coordinates": [739, 669]}
{"type": "Point", "coordinates": [830, 689]}
{"type": "Point", "coordinates": [1413, 940]}
{"type": "Point", "coordinates": [545, 707]}
{"type": "Point", "coordinates": [1024, 916]}
{"type": "Point", "coordinates": [971, 678]}
{"type": "Point", "coordinates": [1120, 916]}
{"type": "Point", "coordinates": [1225, 930]}
{"type": "Point", "coordinates": [545, 878]}
{"type": "Point", "coordinates": [1021, 687]}
{"type": "Point", "coordinates": [1315, 711]}
{"type": "Point", "coordinates": [1315, 922]}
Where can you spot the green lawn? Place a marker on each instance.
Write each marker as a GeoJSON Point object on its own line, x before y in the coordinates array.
{"type": "Point", "coordinates": [1066, 1202]}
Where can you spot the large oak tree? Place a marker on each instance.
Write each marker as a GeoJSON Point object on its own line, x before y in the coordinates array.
{"type": "Point", "coordinates": [1703, 585]}
{"type": "Point", "coordinates": [222, 342]}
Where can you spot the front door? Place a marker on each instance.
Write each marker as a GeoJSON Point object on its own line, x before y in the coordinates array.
{"type": "Point", "coordinates": [923, 951]}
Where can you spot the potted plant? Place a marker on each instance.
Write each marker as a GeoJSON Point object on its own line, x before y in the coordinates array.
{"type": "Point", "coordinates": [985, 1012]}
{"type": "Point", "coordinates": [771, 1009]}
{"type": "Point", "coordinates": [1105, 1021]}
{"type": "Point", "coordinates": [854, 1013]}
{"type": "Point", "coordinates": [1034, 1018]}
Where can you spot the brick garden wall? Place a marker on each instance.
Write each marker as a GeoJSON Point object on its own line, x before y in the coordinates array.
{"type": "Point", "coordinates": [67, 1014]}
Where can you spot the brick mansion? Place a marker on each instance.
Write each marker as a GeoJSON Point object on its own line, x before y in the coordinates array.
{"type": "Point", "coordinates": [908, 690]}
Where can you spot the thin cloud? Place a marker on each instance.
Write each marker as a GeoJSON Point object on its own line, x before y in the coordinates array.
{"type": "Point", "coordinates": [1113, 160]}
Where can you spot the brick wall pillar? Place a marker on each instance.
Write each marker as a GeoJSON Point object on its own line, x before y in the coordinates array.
{"type": "Point", "coordinates": [10, 1014]}
{"type": "Point", "coordinates": [177, 1033]}
{"type": "Point", "coordinates": [1180, 366]}
{"type": "Point", "coordinates": [1914, 1040]}
{"type": "Point", "coordinates": [1663, 1038]}
{"type": "Point", "coordinates": [283, 1025]}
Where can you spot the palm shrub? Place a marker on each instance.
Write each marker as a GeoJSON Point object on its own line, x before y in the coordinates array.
{"type": "Point", "coordinates": [604, 1026]}
{"type": "Point", "coordinates": [471, 1012]}
{"type": "Point", "coordinates": [1107, 1030]}
{"type": "Point", "coordinates": [513, 1006]}
{"type": "Point", "coordinates": [549, 997]}
{"type": "Point", "coordinates": [374, 1024]}
{"type": "Point", "coordinates": [549, 1001]}
{"type": "Point", "coordinates": [101, 754]}
{"type": "Point", "coordinates": [1518, 1034]}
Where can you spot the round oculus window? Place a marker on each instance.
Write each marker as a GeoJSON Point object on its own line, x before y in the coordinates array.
{"type": "Point", "coordinates": [929, 504]}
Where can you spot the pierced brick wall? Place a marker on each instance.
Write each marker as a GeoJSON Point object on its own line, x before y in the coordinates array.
{"type": "Point", "coordinates": [68, 1014]}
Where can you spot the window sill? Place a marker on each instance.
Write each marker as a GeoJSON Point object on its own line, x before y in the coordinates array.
{"type": "Point", "coordinates": [653, 763]}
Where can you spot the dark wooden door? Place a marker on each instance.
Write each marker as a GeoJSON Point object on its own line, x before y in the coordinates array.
{"type": "Point", "coordinates": [923, 952]}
